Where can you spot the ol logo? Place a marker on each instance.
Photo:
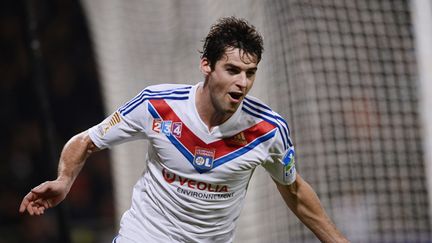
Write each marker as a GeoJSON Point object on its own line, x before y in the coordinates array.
{"type": "Point", "coordinates": [203, 158]}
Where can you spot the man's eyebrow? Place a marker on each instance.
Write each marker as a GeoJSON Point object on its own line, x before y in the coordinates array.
{"type": "Point", "coordinates": [230, 65]}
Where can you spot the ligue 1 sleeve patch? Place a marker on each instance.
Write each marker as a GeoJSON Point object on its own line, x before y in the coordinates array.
{"type": "Point", "coordinates": [203, 158]}
{"type": "Point", "coordinates": [289, 165]}
{"type": "Point", "coordinates": [114, 120]}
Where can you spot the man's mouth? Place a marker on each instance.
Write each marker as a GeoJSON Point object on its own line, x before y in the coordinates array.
{"type": "Point", "coordinates": [235, 95]}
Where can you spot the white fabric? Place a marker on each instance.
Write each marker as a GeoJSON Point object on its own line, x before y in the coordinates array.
{"type": "Point", "coordinates": [196, 179]}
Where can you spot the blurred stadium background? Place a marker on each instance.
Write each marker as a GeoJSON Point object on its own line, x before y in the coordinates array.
{"type": "Point", "coordinates": [351, 77]}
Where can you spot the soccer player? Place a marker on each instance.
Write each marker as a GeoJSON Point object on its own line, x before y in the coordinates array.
{"type": "Point", "coordinates": [205, 142]}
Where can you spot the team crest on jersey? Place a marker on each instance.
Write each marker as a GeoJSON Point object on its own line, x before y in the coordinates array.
{"type": "Point", "coordinates": [289, 164]}
{"type": "Point", "coordinates": [167, 127]}
{"type": "Point", "coordinates": [203, 158]}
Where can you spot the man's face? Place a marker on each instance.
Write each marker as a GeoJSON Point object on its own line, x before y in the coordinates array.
{"type": "Point", "coordinates": [231, 79]}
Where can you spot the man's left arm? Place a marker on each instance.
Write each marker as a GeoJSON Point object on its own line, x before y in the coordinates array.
{"type": "Point", "coordinates": [303, 201]}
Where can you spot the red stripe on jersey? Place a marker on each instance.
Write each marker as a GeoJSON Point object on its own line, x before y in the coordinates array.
{"type": "Point", "coordinates": [223, 146]}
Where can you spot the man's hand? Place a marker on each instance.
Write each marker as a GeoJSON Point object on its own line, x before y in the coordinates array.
{"type": "Point", "coordinates": [44, 196]}
{"type": "Point", "coordinates": [51, 193]}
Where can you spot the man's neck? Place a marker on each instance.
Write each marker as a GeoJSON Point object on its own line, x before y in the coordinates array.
{"type": "Point", "coordinates": [206, 110]}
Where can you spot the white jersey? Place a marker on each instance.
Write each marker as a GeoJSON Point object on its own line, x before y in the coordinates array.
{"type": "Point", "coordinates": [196, 179]}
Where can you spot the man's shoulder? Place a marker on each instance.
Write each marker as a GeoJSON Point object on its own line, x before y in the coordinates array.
{"type": "Point", "coordinates": [157, 92]}
{"type": "Point", "coordinates": [254, 104]}
{"type": "Point", "coordinates": [167, 87]}
{"type": "Point", "coordinates": [257, 108]}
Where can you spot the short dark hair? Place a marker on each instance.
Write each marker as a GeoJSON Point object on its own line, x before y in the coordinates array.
{"type": "Point", "coordinates": [231, 32]}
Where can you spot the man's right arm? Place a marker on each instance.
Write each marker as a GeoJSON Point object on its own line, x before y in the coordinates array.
{"type": "Point", "coordinates": [51, 193]}
{"type": "Point", "coordinates": [73, 157]}
{"type": "Point", "coordinates": [115, 129]}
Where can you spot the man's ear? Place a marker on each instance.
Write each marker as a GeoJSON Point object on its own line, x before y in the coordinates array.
{"type": "Point", "coordinates": [205, 66]}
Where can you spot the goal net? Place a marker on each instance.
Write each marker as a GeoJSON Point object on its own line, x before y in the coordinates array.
{"type": "Point", "coordinates": [342, 72]}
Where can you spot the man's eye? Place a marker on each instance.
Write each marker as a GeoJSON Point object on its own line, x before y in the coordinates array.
{"type": "Point", "coordinates": [249, 74]}
{"type": "Point", "coordinates": [232, 71]}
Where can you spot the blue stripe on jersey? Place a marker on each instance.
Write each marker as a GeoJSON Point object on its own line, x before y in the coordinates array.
{"type": "Point", "coordinates": [283, 124]}
{"type": "Point", "coordinates": [172, 139]}
{"type": "Point", "coordinates": [154, 98]}
{"type": "Point", "coordinates": [141, 97]}
{"type": "Point", "coordinates": [244, 149]}
{"type": "Point", "coordinates": [285, 139]}
{"type": "Point", "coordinates": [269, 109]}
{"type": "Point", "coordinates": [258, 104]}
{"type": "Point", "coordinates": [181, 148]}
{"type": "Point", "coordinates": [148, 91]}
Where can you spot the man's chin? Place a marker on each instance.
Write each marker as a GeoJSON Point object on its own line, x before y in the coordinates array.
{"type": "Point", "coordinates": [232, 109]}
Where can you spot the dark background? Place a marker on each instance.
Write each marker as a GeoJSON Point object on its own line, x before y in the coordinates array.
{"type": "Point", "coordinates": [48, 94]}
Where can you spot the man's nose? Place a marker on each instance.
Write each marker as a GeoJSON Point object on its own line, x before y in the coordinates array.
{"type": "Point", "coordinates": [242, 80]}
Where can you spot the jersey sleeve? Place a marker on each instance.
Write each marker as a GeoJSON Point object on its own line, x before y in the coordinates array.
{"type": "Point", "coordinates": [125, 124]}
{"type": "Point", "coordinates": [281, 160]}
